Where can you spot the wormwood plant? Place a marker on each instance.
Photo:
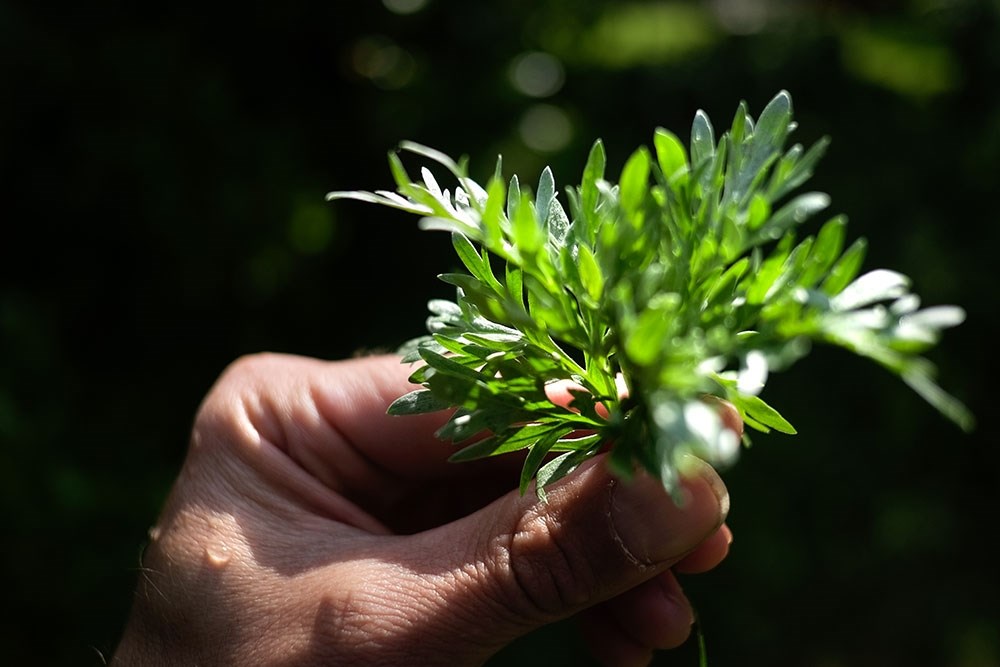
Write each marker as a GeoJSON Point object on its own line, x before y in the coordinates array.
{"type": "Point", "coordinates": [683, 281]}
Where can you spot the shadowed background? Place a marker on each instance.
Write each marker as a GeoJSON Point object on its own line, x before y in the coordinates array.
{"type": "Point", "coordinates": [163, 174]}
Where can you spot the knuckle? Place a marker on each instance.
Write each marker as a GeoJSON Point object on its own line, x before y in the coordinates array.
{"type": "Point", "coordinates": [249, 366]}
{"type": "Point", "coordinates": [549, 566]}
{"type": "Point", "coordinates": [234, 408]}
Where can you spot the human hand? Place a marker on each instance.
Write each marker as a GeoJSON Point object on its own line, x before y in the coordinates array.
{"type": "Point", "coordinates": [307, 527]}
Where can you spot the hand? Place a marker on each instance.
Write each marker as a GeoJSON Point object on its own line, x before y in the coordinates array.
{"type": "Point", "coordinates": [307, 527]}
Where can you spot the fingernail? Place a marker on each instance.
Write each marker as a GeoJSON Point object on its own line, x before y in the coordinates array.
{"type": "Point", "coordinates": [651, 528]}
{"type": "Point", "coordinates": [692, 466]}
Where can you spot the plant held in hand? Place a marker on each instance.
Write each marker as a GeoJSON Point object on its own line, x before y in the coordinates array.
{"type": "Point", "coordinates": [684, 280]}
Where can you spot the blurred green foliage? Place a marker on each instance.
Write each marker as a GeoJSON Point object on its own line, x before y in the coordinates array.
{"type": "Point", "coordinates": [163, 171]}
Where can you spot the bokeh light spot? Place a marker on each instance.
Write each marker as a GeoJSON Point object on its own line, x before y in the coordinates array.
{"type": "Point", "coordinates": [383, 62]}
{"type": "Point", "coordinates": [546, 128]}
{"type": "Point", "coordinates": [311, 228]}
{"type": "Point", "coordinates": [537, 74]}
{"type": "Point", "coordinates": [404, 6]}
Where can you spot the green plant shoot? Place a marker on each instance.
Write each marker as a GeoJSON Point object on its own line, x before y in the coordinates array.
{"type": "Point", "coordinates": [687, 279]}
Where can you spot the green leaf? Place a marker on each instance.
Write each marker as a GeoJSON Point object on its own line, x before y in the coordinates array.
{"type": "Point", "coordinates": [433, 154]}
{"type": "Point", "coordinates": [685, 265]}
{"type": "Point", "coordinates": [545, 195]}
{"type": "Point", "coordinates": [513, 196]}
{"type": "Point", "coordinates": [592, 173]}
{"type": "Point", "coordinates": [558, 224]}
{"type": "Point", "coordinates": [742, 126]}
{"type": "Point", "coordinates": [383, 199]}
{"type": "Point", "coordinates": [466, 424]}
{"type": "Point", "coordinates": [723, 286]}
{"type": "Point", "coordinates": [846, 268]}
{"type": "Point", "coordinates": [447, 225]}
{"type": "Point", "coordinates": [755, 411]}
{"type": "Point", "coordinates": [762, 281]}
{"type": "Point", "coordinates": [702, 140]}
{"type": "Point", "coordinates": [772, 125]}
{"type": "Point", "coordinates": [634, 182]}
{"type": "Point", "coordinates": [488, 446]}
{"type": "Point", "coordinates": [514, 440]}
{"type": "Point", "coordinates": [590, 273]}
{"type": "Point", "coordinates": [493, 214]}
{"type": "Point", "coordinates": [514, 281]}
{"type": "Point", "coordinates": [800, 171]}
{"type": "Point", "coordinates": [399, 175]}
{"type": "Point", "coordinates": [670, 154]}
{"type": "Point", "coordinates": [448, 366]}
{"type": "Point", "coordinates": [760, 210]}
{"type": "Point", "coordinates": [825, 251]}
{"type": "Point", "coordinates": [791, 215]}
{"type": "Point", "coordinates": [557, 468]}
{"type": "Point", "coordinates": [417, 402]}
{"type": "Point", "coordinates": [768, 137]}
{"type": "Point", "coordinates": [536, 456]}
{"type": "Point", "coordinates": [527, 233]}
{"type": "Point", "coordinates": [645, 343]}
{"type": "Point", "coordinates": [477, 265]}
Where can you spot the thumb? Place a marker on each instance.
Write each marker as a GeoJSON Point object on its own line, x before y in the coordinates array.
{"type": "Point", "coordinates": [520, 563]}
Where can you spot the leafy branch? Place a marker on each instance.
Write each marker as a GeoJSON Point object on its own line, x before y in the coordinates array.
{"type": "Point", "coordinates": [683, 280]}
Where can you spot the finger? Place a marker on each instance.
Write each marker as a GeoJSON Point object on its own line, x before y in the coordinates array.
{"type": "Point", "coordinates": [321, 412]}
{"type": "Point", "coordinates": [608, 642]}
{"type": "Point", "coordinates": [519, 563]}
{"type": "Point", "coordinates": [320, 429]}
{"type": "Point", "coordinates": [654, 614]}
{"type": "Point", "coordinates": [354, 395]}
{"type": "Point", "coordinates": [709, 553]}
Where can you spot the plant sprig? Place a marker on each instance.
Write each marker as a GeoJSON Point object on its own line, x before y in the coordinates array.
{"type": "Point", "coordinates": [686, 279]}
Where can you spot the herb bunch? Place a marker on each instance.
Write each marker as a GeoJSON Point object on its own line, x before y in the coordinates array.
{"type": "Point", "coordinates": [684, 280]}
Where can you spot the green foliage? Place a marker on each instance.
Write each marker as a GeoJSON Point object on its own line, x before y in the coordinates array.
{"type": "Point", "coordinates": [684, 280]}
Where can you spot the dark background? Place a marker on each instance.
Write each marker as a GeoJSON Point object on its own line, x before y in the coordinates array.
{"type": "Point", "coordinates": [163, 173]}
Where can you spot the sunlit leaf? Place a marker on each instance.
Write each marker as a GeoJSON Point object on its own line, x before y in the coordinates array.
{"type": "Point", "coordinates": [699, 272]}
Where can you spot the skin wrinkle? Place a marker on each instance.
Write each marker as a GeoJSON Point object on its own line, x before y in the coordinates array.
{"type": "Point", "coordinates": [228, 479]}
{"type": "Point", "coordinates": [572, 588]}
{"type": "Point", "coordinates": [272, 462]}
{"type": "Point", "coordinates": [505, 594]}
{"type": "Point", "coordinates": [294, 421]}
{"type": "Point", "coordinates": [366, 614]}
{"type": "Point", "coordinates": [488, 559]}
{"type": "Point", "coordinates": [464, 581]}
{"type": "Point", "coordinates": [271, 422]}
{"type": "Point", "coordinates": [461, 595]}
{"type": "Point", "coordinates": [256, 637]}
{"type": "Point", "coordinates": [524, 575]}
{"type": "Point", "coordinates": [364, 467]}
{"type": "Point", "coordinates": [571, 581]}
{"type": "Point", "coordinates": [401, 464]}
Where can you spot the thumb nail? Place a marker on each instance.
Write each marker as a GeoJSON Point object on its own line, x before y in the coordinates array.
{"type": "Point", "coordinates": [653, 529]}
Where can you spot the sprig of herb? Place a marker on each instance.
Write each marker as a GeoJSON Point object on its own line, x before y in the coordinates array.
{"type": "Point", "coordinates": [684, 280]}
